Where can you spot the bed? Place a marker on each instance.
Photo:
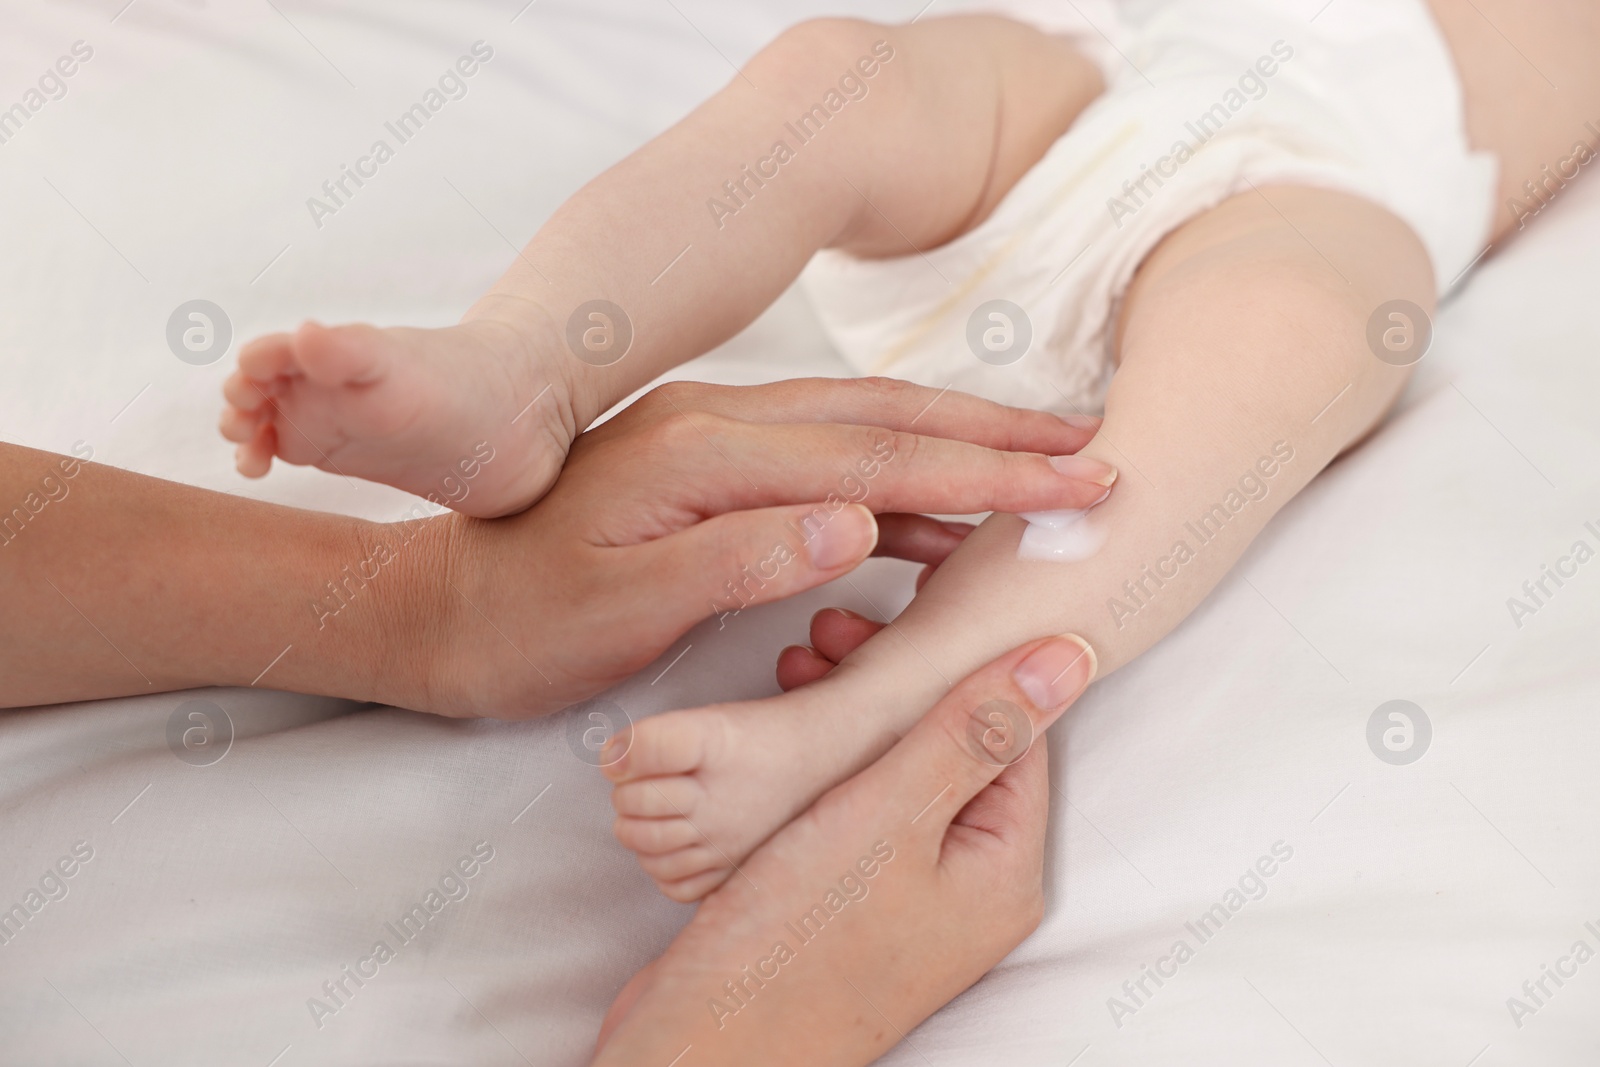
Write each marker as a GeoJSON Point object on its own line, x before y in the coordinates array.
{"type": "Point", "coordinates": [1351, 887]}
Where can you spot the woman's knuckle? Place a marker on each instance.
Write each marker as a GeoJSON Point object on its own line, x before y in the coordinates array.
{"type": "Point", "coordinates": [898, 445]}
{"type": "Point", "coordinates": [672, 395]}
{"type": "Point", "coordinates": [887, 387]}
{"type": "Point", "coordinates": [677, 430]}
{"type": "Point", "coordinates": [713, 429]}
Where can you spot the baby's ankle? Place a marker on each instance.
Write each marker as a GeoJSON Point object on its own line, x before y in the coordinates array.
{"type": "Point", "coordinates": [584, 387]}
{"type": "Point", "coordinates": [873, 703]}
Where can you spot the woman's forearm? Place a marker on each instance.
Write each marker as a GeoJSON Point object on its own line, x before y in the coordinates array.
{"type": "Point", "coordinates": [115, 583]}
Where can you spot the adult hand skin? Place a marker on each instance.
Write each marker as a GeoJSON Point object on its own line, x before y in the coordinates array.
{"type": "Point", "coordinates": [835, 633]}
{"type": "Point", "coordinates": [701, 500]}
{"type": "Point", "coordinates": [896, 891]}
{"type": "Point", "coordinates": [119, 584]}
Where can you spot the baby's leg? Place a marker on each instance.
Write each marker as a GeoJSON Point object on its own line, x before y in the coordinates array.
{"type": "Point", "coordinates": [878, 139]}
{"type": "Point", "coordinates": [1244, 370]}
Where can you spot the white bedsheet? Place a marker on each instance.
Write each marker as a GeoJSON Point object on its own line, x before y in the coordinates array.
{"type": "Point", "coordinates": [218, 900]}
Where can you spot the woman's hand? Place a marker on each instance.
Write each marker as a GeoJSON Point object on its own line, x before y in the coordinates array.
{"type": "Point", "coordinates": [695, 500]}
{"type": "Point", "coordinates": [701, 500]}
{"type": "Point", "coordinates": [896, 891]}
{"type": "Point", "coordinates": [835, 633]}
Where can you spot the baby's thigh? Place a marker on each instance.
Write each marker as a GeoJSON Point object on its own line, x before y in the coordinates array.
{"type": "Point", "coordinates": [1269, 294]}
{"type": "Point", "coordinates": [1529, 103]}
{"type": "Point", "coordinates": [956, 110]}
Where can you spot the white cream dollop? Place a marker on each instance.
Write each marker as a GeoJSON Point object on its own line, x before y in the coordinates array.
{"type": "Point", "coordinates": [1062, 536]}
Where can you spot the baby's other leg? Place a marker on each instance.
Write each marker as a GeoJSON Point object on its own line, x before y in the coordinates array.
{"type": "Point", "coordinates": [1532, 104]}
{"type": "Point", "coordinates": [878, 139]}
{"type": "Point", "coordinates": [1244, 370]}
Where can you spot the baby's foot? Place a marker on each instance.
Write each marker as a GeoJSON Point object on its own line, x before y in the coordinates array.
{"type": "Point", "coordinates": [473, 416]}
{"type": "Point", "coordinates": [697, 790]}
{"type": "Point", "coordinates": [834, 942]}
{"type": "Point", "coordinates": [712, 962]}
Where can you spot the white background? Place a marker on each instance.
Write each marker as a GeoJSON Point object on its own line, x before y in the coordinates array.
{"type": "Point", "coordinates": [1419, 897]}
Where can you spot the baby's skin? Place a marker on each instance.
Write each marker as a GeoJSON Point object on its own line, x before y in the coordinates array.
{"type": "Point", "coordinates": [894, 892]}
{"type": "Point", "coordinates": [404, 406]}
{"type": "Point", "coordinates": [1213, 433]}
{"type": "Point", "coordinates": [1243, 370]}
{"type": "Point", "coordinates": [408, 407]}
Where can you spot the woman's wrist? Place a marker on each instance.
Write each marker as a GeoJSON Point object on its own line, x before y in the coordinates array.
{"type": "Point", "coordinates": [417, 620]}
{"type": "Point", "coordinates": [379, 612]}
{"type": "Point", "coordinates": [308, 620]}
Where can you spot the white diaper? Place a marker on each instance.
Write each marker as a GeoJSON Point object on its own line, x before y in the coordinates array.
{"type": "Point", "coordinates": [1363, 99]}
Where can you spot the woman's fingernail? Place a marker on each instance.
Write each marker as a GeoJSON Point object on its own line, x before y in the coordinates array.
{"type": "Point", "coordinates": [848, 537]}
{"type": "Point", "coordinates": [1085, 469]}
{"type": "Point", "coordinates": [1056, 672]}
{"type": "Point", "coordinates": [960, 529]}
{"type": "Point", "coordinates": [1082, 422]}
{"type": "Point", "coordinates": [846, 612]}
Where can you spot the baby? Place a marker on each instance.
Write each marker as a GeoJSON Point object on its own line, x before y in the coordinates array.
{"type": "Point", "coordinates": [1245, 210]}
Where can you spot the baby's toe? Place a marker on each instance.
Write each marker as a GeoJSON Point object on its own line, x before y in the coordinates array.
{"type": "Point", "coordinates": [675, 743]}
{"type": "Point", "coordinates": [694, 888]}
{"type": "Point", "coordinates": [238, 426]}
{"type": "Point", "coordinates": [654, 836]}
{"type": "Point", "coordinates": [657, 798]}
{"type": "Point", "coordinates": [247, 393]}
{"type": "Point", "coordinates": [254, 458]}
{"type": "Point", "coordinates": [357, 354]}
{"type": "Point", "coordinates": [682, 865]}
{"type": "Point", "coordinates": [267, 357]}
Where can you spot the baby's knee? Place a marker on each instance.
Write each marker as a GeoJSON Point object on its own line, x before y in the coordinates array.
{"type": "Point", "coordinates": [844, 58]}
